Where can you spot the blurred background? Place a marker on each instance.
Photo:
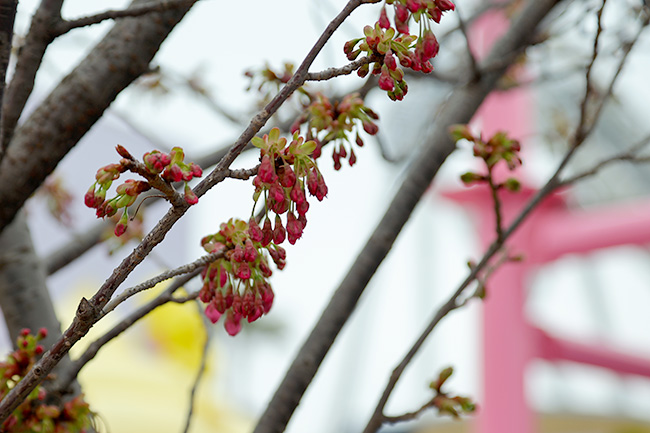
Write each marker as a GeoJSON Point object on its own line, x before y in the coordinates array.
{"type": "Point", "coordinates": [141, 381]}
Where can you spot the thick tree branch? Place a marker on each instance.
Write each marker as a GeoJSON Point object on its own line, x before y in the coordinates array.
{"type": "Point", "coordinates": [7, 18]}
{"type": "Point", "coordinates": [460, 107]}
{"type": "Point", "coordinates": [29, 60]}
{"type": "Point", "coordinates": [24, 296]}
{"type": "Point", "coordinates": [76, 104]}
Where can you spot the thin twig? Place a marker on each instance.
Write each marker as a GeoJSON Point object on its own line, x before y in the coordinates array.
{"type": "Point", "coordinates": [336, 72]}
{"type": "Point", "coordinates": [243, 173]}
{"type": "Point", "coordinates": [630, 155]}
{"type": "Point", "coordinates": [65, 26]}
{"type": "Point", "coordinates": [199, 374]}
{"type": "Point", "coordinates": [150, 283]}
{"type": "Point", "coordinates": [472, 60]}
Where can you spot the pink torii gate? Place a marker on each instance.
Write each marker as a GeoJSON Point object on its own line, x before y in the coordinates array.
{"type": "Point", "coordinates": [509, 341]}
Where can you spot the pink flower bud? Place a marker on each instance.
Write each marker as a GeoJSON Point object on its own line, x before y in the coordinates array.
{"type": "Point", "coordinates": [232, 323]}
{"type": "Point", "coordinates": [267, 296]}
{"type": "Point", "coordinates": [212, 313]}
{"type": "Point", "coordinates": [196, 170]}
{"type": "Point", "coordinates": [254, 230]}
{"type": "Point", "coordinates": [25, 332]}
{"type": "Point", "coordinates": [303, 207]}
{"type": "Point", "coordinates": [120, 228]}
{"type": "Point", "coordinates": [370, 127]}
{"type": "Point", "coordinates": [297, 194]}
{"type": "Point", "coordinates": [384, 23]}
{"type": "Point", "coordinates": [294, 228]}
{"type": "Point", "coordinates": [385, 81]}
{"type": "Point", "coordinates": [276, 192]}
{"type": "Point", "coordinates": [413, 5]}
{"type": "Point", "coordinates": [123, 152]}
{"type": "Point", "coordinates": [266, 172]}
{"type": "Point", "coordinates": [288, 177]}
{"type": "Point", "coordinates": [190, 197]}
{"type": "Point", "coordinates": [401, 12]}
{"type": "Point", "coordinates": [267, 231]}
{"type": "Point", "coordinates": [237, 254]}
{"type": "Point", "coordinates": [42, 333]}
{"type": "Point", "coordinates": [250, 253]}
{"type": "Point", "coordinates": [279, 233]}
{"type": "Point", "coordinates": [445, 5]}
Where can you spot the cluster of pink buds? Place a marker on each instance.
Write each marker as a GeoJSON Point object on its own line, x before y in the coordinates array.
{"type": "Point", "coordinates": [34, 414]}
{"type": "Point", "coordinates": [284, 173]}
{"type": "Point", "coordinates": [237, 284]}
{"type": "Point", "coordinates": [405, 9]}
{"type": "Point", "coordinates": [171, 168]}
{"type": "Point", "coordinates": [383, 43]}
{"type": "Point", "coordinates": [498, 148]}
{"type": "Point", "coordinates": [337, 122]}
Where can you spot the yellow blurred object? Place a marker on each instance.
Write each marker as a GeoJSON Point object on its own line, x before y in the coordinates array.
{"type": "Point", "coordinates": [141, 381]}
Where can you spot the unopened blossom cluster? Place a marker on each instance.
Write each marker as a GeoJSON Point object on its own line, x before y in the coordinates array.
{"type": "Point", "coordinates": [237, 283]}
{"type": "Point", "coordinates": [498, 148]}
{"type": "Point", "coordinates": [287, 170]}
{"type": "Point", "coordinates": [386, 45]}
{"type": "Point", "coordinates": [337, 122]}
{"type": "Point", "coordinates": [34, 415]}
{"type": "Point", "coordinates": [170, 168]}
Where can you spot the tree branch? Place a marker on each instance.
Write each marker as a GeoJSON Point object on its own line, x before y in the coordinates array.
{"type": "Point", "coordinates": [65, 26]}
{"type": "Point", "coordinates": [459, 108]}
{"type": "Point", "coordinates": [7, 18]}
{"type": "Point", "coordinates": [199, 374]}
{"type": "Point", "coordinates": [185, 269]}
{"type": "Point", "coordinates": [28, 63]}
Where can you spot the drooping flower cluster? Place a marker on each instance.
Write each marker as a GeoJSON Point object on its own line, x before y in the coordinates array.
{"type": "Point", "coordinates": [285, 172]}
{"type": "Point", "coordinates": [237, 284]}
{"type": "Point", "coordinates": [337, 122]}
{"type": "Point", "coordinates": [383, 43]}
{"type": "Point", "coordinates": [498, 148]}
{"type": "Point", "coordinates": [33, 415]}
{"type": "Point", "coordinates": [446, 404]}
{"type": "Point", "coordinates": [269, 81]}
{"type": "Point", "coordinates": [171, 168]}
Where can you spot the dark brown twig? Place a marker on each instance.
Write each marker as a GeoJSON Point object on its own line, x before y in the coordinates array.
{"type": "Point", "coordinates": [65, 26]}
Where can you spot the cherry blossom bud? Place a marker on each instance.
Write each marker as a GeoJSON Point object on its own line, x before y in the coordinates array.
{"type": "Point", "coordinates": [267, 231]}
{"type": "Point", "coordinates": [254, 230]}
{"type": "Point", "coordinates": [297, 194]}
{"type": "Point", "coordinates": [190, 197]}
{"type": "Point", "coordinates": [385, 81]}
{"type": "Point", "coordinates": [232, 323]}
{"type": "Point", "coordinates": [212, 313]}
{"type": "Point", "coordinates": [279, 233]}
{"type": "Point", "coordinates": [384, 23]}
{"type": "Point", "coordinates": [303, 207]}
{"type": "Point", "coordinates": [237, 254]}
{"type": "Point", "coordinates": [266, 172]}
{"type": "Point", "coordinates": [250, 253]}
{"type": "Point", "coordinates": [42, 333]}
{"type": "Point", "coordinates": [120, 228]}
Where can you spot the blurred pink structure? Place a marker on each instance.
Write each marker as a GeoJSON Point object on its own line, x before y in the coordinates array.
{"type": "Point", "coordinates": [509, 341]}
